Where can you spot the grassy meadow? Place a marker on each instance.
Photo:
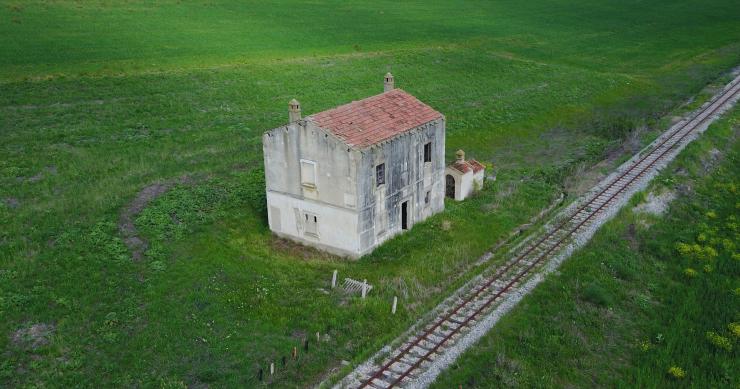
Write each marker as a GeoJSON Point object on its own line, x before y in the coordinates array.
{"type": "Point", "coordinates": [99, 100]}
{"type": "Point", "coordinates": [651, 301]}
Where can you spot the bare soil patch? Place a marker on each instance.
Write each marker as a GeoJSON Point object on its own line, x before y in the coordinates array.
{"type": "Point", "coordinates": [135, 243]}
{"type": "Point", "coordinates": [32, 337]}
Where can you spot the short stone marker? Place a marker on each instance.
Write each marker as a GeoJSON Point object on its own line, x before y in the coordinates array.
{"type": "Point", "coordinates": [395, 302]}
{"type": "Point", "coordinates": [334, 279]}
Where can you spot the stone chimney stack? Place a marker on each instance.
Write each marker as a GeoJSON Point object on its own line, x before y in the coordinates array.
{"type": "Point", "coordinates": [460, 156]}
{"type": "Point", "coordinates": [294, 111]}
{"type": "Point", "coordinates": [388, 82]}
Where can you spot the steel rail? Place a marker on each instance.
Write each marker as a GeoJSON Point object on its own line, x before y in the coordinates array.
{"type": "Point", "coordinates": [709, 110]}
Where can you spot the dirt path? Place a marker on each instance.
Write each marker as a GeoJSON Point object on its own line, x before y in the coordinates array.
{"type": "Point", "coordinates": [135, 243]}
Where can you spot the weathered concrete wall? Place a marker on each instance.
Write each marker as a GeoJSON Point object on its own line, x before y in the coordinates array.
{"type": "Point", "coordinates": [353, 214]}
{"type": "Point", "coordinates": [336, 172]}
{"type": "Point", "coordinates": [336, 227]}
{"type": "Point", "coordinates": [333, 197]}
{"type": "Point", "coordinates": [408, 178]}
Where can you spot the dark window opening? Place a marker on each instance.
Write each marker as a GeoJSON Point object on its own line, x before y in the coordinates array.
{"type": "Point", "coordinates": [450, 186]}
{"type": "Point", "coordinates": [380, 174]}
{"type": "Point", "coordinates": [405, 215]}
{"type": "Point", "coordinates": [427, 197]}
{"type": "Point", "coordinates": [428, 152]}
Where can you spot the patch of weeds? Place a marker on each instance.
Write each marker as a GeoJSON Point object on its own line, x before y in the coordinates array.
{"type": "Point", "coordinates": [598, 295]}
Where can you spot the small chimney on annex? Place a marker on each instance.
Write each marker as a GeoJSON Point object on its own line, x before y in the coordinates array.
{"type": "Point", "coordinates": [388, 82]}
{"type": "Point", "coordinates": [294, 111]}
{"type": "Point", "coordinates": [460, 156]}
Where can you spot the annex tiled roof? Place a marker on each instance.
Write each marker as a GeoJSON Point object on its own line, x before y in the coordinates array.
{"type": "Point", "coordinates": [467, 166]}
{"type": "Point", "coordinates": [375, 119]}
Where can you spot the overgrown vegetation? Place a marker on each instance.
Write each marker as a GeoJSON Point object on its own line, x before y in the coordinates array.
{"type": "Point", "coordinates": [652, 301]}
{"type": "Point", "coordinates": [99, 100]}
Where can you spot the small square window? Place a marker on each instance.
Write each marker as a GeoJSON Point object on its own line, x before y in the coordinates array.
{"type": "Point", "coordinates": [380, 174]}
{"type": "Point", "coordinates": [312, 224]}
{"type": "Point", "coordinates": [428, 152]}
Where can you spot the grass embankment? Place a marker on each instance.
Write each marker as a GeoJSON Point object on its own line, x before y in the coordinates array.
{"type": "Point", "coordinates": [98, 100]}
{"type": "Point", "coordinates": [651, 301]}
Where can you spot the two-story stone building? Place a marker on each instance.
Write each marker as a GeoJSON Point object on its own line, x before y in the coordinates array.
{"type": "Point", "coordinates": [347, 179]}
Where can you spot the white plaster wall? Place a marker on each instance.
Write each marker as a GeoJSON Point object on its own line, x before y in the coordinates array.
{"type": "Point", "coordinates": [337, 227]}
{"type": "Point", "coordinates": [463, 183]}
{"type": "Point", "coordinates": [478, 178]}
{"type": "Point", "coordinates": [336, 166]}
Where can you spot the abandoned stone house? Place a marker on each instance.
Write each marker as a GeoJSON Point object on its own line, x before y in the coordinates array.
{"type": "Point", "coordinates": [347, 179]}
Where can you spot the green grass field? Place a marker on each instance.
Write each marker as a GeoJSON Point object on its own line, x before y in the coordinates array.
{"type": "Point", "coordinates": [99, 100]}
{"type": "Point", "coordinates": [647, 295]}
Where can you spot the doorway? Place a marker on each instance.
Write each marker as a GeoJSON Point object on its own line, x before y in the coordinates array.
{"type": "Point", "coordinates": [405, 215]}
{"type": "Point", "coordinates": [450, 186]}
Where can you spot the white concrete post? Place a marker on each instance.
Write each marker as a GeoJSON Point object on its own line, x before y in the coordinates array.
{"type": "Point", "coordinates": [364, 288]}
{"type": "Point", "coordinates": [272, 368]}
{"type": "Point", "coordinates": [318, 337]}
{"type": "Point", "coordinates": [395, 302]}
{"type": "Point", "coordinates": [334, 279]}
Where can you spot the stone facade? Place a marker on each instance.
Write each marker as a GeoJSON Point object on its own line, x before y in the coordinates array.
{"type": "Point", "coordinates": [347, 179]}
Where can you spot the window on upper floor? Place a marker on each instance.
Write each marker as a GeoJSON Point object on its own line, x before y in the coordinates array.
{"type": "Point", "coordinates": [380, 174]}
{"type": "Point", "coordinates": [428, 152]}
{"type": "Point", "coordinates": [308, 173]}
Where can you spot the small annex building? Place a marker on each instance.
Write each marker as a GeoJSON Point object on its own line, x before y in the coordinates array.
{"type": "Point", "coordinates": [463, 177]}
{"type": "Point", "coordinates": [347, 179]}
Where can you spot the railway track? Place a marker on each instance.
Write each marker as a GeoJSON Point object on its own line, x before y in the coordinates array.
{"type": "Point", "coordinates": [404, 364]}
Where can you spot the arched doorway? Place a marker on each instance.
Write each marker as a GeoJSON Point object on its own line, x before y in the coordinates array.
{"type": "Point", "coordinates": [450, 186]}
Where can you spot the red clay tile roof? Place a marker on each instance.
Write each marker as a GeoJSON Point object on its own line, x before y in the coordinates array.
{"type": "Point", "coordinates": [466, 166]}
{"type": "Point", "coordinates": [375, 119]}
{"type": "Point", "coordinates": [477, 166]}
{"type": "Point", "coordinates": [462, 167]}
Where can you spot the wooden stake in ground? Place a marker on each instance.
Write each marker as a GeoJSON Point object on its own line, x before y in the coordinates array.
{"type": "Point", "coordinates": [295, 352]}
{"type": "Point", "coordinates": [395, 302]}
{"type": "Point", "coordinates": [318, 338]}
{"type": "Point", "coordinates": [334, 279]}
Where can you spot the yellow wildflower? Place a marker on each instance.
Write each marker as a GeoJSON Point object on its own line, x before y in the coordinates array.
{"type": "Point", "coordinates": [689, 272]}
{"type": "Point", "coordinates": [734, 329]}
{"type": "Point", "coordinates": [719, 340]}
{"type": "Point", "coordinates": [677, 372]}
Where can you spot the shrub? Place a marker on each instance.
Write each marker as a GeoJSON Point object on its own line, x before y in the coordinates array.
{"type": "Point", "coordinates": [676, 372]}
{"type": "Point", "coordinates": [719, 341]}
{"type": "Point", "coordinates": [689, 272]}
{"type": "Point", "coordinates": [734, 329]}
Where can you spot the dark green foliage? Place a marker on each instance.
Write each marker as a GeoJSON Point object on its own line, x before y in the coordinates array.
{"type": "Point", "coordinates": [598, 295]}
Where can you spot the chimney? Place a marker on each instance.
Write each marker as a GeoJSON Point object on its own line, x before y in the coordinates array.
{"type": "Point", "coordinates": [460, 156]}
{"type": "Point", "coordinates": [388, 82]}
{"type": "Point", "coordinates": [294, 111]}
